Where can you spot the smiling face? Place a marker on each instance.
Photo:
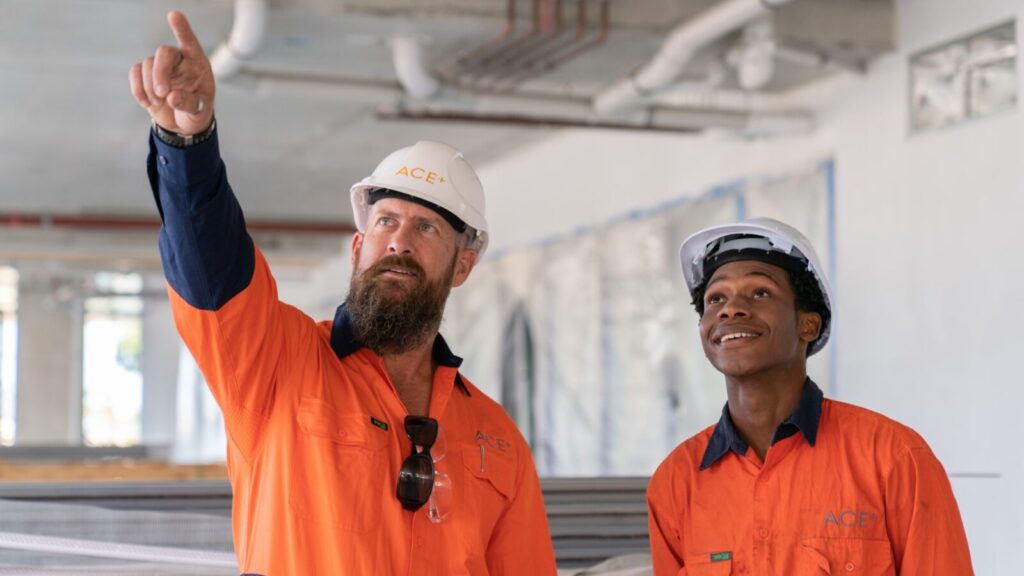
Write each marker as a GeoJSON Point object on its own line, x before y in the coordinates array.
{"type": "Point", "coordinates": [751, 323]}
{"type": "Point", "coordinates": [403, 267]}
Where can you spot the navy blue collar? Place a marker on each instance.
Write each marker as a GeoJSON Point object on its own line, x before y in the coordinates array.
{"type": "Point", "coordinates": [804, 419]}
{"type": "Point", "coordinates": [344, 343]}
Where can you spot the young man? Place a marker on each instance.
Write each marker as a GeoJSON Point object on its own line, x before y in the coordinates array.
{"type": "Point", "coordinates": [355, 446]}
{"type": "Point", "coordinates": [789, 483]}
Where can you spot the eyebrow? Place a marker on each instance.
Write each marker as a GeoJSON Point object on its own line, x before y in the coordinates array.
{"type": "Point", "coordinates": [430, 219]}
{"type": "Point", "coordinates": [417, 218]}
{"type": "Point", "coordinates": [751, 273]}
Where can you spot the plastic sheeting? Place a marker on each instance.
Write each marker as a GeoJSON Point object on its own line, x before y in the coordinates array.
{"type": "Point", "coordinates": [590, 341]}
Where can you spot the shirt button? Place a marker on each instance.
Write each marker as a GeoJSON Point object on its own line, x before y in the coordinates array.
{"type": "Point", "coordinates": [420, 541]}
{"type": "Point", "coordinates": [163, 160]}
{"type": "Point", "coordinates": [850, 566]}
{"type": "Point", "coordinates": [763, 533]}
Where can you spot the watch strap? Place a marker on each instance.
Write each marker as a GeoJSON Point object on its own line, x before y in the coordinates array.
{"type": "Point", "coordinates": [183, 140]}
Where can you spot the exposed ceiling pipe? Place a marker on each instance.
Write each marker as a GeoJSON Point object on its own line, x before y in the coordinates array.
{"type": "Point", "coordinates": [493, 108]}
{"type": "Point", "coordinates": [407, 55]}
{"type": "Point", "coordinates": [675, 121]}
{"type": "Point", "coordinates": [683, 42]}
{"type": "Point", "coordinates": [469, 66]}
{"type": "Point", "coordinates": [504, 62]}
{"type": "Point", "coordinates": [572, 49]}
{"type": "Point", "coordinates": [552, 25]}
{"type": "Point", "coordinates": [525, 66]}
{"type": "Point", "coordinates": [486, 47]}
{"type": "Point", "coordinates": [247, 34]}
{"type": "Point", "coordinates": [755, 62]}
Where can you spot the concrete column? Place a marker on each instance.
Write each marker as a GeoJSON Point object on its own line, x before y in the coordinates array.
{"type": "Point", "coordinates": [160, 350]}
{"type": "Point", "coordinates": [49, 404]}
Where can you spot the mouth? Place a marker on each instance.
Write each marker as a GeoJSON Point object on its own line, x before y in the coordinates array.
{"type": "Point", "coordinates": [397, 272]}
{"type": "Point", "coordinates": [736, 338]}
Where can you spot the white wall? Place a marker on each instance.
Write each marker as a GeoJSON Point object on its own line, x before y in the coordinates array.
{"type": "Point", "coordinates": [929, 244]}
{"type": "Point", "coordinates": [929, 265]}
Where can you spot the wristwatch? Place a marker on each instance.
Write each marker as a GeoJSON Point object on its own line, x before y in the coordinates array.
{"type": "Point", "coordinates": [183, 140]}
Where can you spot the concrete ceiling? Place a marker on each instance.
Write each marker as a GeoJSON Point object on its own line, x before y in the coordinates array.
{"type": "Point", "coordinates": [299, 127]}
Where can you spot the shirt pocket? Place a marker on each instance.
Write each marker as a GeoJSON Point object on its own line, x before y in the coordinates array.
{"type": "Point", "coordinates": [488, 487]}
{"type": "Point", "coordinates": [493, 470]}
{"type": "Point", "coordinates": [338, 468]}
{"type": "Point", "coordinates": [846, 557]}
{"type": "Point", "coordinates": [705, 565]}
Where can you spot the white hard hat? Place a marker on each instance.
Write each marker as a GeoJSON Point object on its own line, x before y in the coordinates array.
{"type": "Point", "coordinates": [433, 174]}
{"type": "Point", "coordinates": [756, 239]}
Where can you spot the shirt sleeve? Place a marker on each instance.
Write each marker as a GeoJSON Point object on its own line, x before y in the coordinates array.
{"type": "Point", "coordinates": [521, 541]}
{"type": "Point", "coordinates": [222, 294]}
{"type": "Point", "coordinates": [666, 538]}
{"type": "Point", "coordinates": [923, 519]}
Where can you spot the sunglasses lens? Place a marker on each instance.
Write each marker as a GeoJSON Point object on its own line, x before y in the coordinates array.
{"type": "Point", "coordinates": [422, 431]}
{"type": "Point", "coordinates": [415, 481]}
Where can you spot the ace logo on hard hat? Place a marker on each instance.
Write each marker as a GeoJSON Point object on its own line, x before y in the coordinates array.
{"type": "Point", "coordinates": [421, 174]}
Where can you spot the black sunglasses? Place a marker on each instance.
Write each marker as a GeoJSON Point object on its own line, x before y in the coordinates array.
{"type": "Point", "coordinates": [416, 477]}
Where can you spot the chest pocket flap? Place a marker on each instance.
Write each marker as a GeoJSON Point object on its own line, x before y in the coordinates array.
{"type": "Point", "coordinates": [493, 466]}
{"type": "Point", "coordinates": [849, 556]}
{"type": "Point", "coordinates": [318, 418]}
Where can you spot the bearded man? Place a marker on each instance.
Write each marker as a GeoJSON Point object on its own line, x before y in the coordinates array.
{"type": "Point", "coordinates": [355, 446]}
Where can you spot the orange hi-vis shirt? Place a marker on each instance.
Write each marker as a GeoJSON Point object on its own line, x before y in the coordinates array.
{"type": "Point", "coordinates": [316, 428]}
{"type": "Point", "coordinates": [842, 490]}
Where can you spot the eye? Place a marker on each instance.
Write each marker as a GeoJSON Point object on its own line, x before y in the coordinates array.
{"type": "Point", "coordinates": [427, 227]}
{"type": "Point", "coordinates": [761, 293]}
{"type": "Point", "coordinates": [712, 299]}
{"type": "Point", "coordinates": [385, 221]}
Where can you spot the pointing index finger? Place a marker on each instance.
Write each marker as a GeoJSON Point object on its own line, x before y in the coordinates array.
{"type": "Point", "coordinates": [187, 41]}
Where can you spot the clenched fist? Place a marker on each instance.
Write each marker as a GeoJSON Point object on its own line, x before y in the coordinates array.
{"type": "Point", "coordinates": [176, 85]}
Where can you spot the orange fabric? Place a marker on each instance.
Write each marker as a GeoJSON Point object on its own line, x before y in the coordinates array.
{"type": "Point", "coordinates": [868, 498]}
{"type": "Point", "coordinates": [314, 479]}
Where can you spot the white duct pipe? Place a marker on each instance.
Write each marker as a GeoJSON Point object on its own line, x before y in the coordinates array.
{"type": "Point", "coordinates": [678, 49]}
{"type": "Point", "coordinates": [407, 56]}
{"type": "Point", "coordinates": [245, 40]}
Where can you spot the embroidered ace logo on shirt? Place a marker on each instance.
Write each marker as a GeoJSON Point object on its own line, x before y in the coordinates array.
{"type": "Point", "coordinates": [850, 519]}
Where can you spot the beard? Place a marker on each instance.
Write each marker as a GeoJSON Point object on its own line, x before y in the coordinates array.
{"type": "Point", "coordinates": [392, 317]}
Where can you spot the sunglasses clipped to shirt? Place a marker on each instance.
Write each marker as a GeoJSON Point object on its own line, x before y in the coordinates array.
{"type": "Point", "coordinates": [416, 477]}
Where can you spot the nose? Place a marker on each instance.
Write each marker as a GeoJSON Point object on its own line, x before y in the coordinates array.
{"type": "Point", "coordinates": [399, 242]}
{"type": "Point", "coordinates": [737, 306]}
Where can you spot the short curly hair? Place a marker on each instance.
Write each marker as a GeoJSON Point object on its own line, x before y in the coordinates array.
{"type": "Point", "coordinates": [808, 297]}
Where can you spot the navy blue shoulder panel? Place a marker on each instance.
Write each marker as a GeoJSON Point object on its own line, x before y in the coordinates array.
{"type": "Point", "coordinates": [208, 256]}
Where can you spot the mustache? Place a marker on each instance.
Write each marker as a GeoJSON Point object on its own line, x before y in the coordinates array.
{"type": "Point", "coordinates": [395, 261]}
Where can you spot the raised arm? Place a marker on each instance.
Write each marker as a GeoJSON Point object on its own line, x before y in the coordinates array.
{"type": "Point", "coordinates": [222, 294]}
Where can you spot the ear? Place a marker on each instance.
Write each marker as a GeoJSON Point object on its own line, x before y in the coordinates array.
{"type": "Point", "coordinates": [464, 263]}
{"type": "Point", "coordinates": [357, 244]}
{"type": "Point", "coordinates": [810, 326]}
